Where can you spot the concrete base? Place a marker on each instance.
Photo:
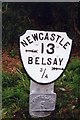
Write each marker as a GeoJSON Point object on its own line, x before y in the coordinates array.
{"type": "Point", "coordinates": [42, 99]}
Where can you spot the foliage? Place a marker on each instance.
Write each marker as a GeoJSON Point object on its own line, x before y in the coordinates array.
{"type": "Point", "coordinates": [13, 53]}
{"type": "Point", "coordinates": [71, 77]}
{"type": "Point", "coordinates": [68, 89]}
{"type": "Point", "coordinates": [15, 21]}
{"type": "Point", "coordinates": [16, 94]}
{"type": "Point", "coordinates": [19, 17]}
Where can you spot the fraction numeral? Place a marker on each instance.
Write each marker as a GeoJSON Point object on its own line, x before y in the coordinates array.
{"type": "Point", "coordinates": [43, 73]}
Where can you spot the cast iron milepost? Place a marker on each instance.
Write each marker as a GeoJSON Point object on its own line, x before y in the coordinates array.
{"type": "Point", "coordinates": [45, 55]}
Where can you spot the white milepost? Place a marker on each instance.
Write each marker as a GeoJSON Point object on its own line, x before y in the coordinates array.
{"type": "Point", "coordinates": [42, 99]}
{"type": "Point", "coordinates": [45, 55]}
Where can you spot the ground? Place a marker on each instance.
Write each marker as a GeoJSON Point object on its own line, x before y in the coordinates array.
{"type": "Point", "coordinates": [10, 64]}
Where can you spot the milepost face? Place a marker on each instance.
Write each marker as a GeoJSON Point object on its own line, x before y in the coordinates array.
{"type": "Point", "coordinates": [45, 54]}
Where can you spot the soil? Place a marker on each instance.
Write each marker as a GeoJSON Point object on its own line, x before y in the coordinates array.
{"type": "Point", "coordinates": [10, 64]}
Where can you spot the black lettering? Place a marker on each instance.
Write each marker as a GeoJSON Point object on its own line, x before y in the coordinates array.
{"type": "Point", "coordinates": [43, 62]}
{"type": "Point", "coordinates": [41, 69]}
{"type": "Point", "coordinates": [66, 45]}
{"type": "Point", "coordinates": [40, 34]}
{"type": "Point", "coordinates": [46, 37]}
{"type": "Point", "coordinates": [50, 49]}
{"type": "Point", "coordinates": [58, 38]}
{"type": "Point", "coordinates": [55, 61]}
{"type": "Point", "coordinates": [29, 40]}
{"type": "Point", "coordinates": [42, 48]}
{"type": "Point", "coordinates": [30, 60]}
{"type": "Point", "coordinates": [24, 43]}
{"type": "Point", "coordinates": [36, 60]}
{"type": "Point", "coordinates": [52, 38]}
{"type": "Point", "coordinates": [60, 60]}
{"type": "Point", "coordinates": [35, 37]}
{"type": "Point", "coordinates": [61, 42]}
{"type": "Point", "coordinates": [46, 76]}
{"type": "Point", "coordinates": [49, 61]}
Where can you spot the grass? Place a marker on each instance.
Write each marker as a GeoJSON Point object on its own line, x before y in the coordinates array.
{"type": "Point", "coordinates": [16, 88]}
{"type": "Point", "coordinates": [15, 93]}
{"type": "Point", "coordinates": [13, 53]}
{"type": "Point", "coordinates": [68, 91]}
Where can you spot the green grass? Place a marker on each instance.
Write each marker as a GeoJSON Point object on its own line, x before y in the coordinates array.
{"type": "Point", "coordinates": [68, 91]}
{"type": "Point", "coordinates": [13, 53]}
{"type": "Point", "coordinates": [15, 93]}
{"type": "Point", "coordinates": [16, 88]}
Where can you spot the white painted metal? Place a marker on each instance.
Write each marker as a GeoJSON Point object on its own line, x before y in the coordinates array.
{"type": "Point", "coordinates": [45, 54]}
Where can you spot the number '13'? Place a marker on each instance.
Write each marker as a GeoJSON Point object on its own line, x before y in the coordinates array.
{"type": "Point", "coordinates": [50, 48]}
